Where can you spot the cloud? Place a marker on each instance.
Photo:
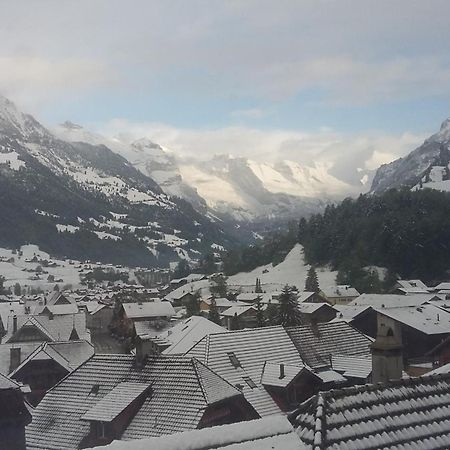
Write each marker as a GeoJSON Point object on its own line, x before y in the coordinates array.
{"type": "Point", "coordinates": [30, 80]}
{"type": "Point", "coordinates": [344, 153]}
{"type": "Point", "coordinates": [251, 113]}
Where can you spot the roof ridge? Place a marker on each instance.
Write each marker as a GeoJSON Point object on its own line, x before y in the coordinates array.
{"type": "Point", "coordinates": [199, 378]}
{"type": "Point", "coordinates": [320, 416]}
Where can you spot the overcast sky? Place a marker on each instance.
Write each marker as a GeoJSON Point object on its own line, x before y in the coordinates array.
{"type": "Point", "coordinates": [362, 80]}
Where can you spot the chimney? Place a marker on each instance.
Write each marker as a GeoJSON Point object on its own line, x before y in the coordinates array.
{"type": "Point", "coordinates": [387, 351]}
{"type": "Point", "coordinates": [14, 324]}
{"type": "Point", "coordinates": [14, 358]}
{"type": "Point", "coordinates": [282, 374]}
{"type": "Point", "coordinates": [144, 348]}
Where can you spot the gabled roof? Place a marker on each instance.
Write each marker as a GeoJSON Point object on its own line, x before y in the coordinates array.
{"type": "Point", "coordinates": [148, 309]}
{"type": "Point", "coordinates": [310, 308]}
{"type": "Point", "coordinates": [188, 332]}
{"type": "Point", "coordinates": [58, 328]}
{"type": "Point", "coordinates": [269, 433]}
{"type": "Point", "coordinates": [339, 291]}
{"type": "Point", "coordinates": [316, 343]}
{"type": "Point", "coordinates": [347, 313]}
{"type": "Point", "coordinates": [237, 310]}
{"type": "Point", "coordinates": [426, 318]}
{"type": "Point", "coordinates": [392, 300]}
{"type": "Point", "coordinates": [352, 366]}
{"type": "Point", "coordinates": [7, 383]}
{"type": "Point", "coordinates": [68, 355]}
{"type": "Point", "coordinates": [182, 388]}
{"type": "Point", "coordinates": [237, 355]}
{"type": "Point", "coordinates": [408, 413]}
{"type": "Point", "coordinates": [271, 375]}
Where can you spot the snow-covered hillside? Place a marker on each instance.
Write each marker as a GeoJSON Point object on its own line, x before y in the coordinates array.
{"type": "Point", "coordinates": [229, 187]}
{"type": "Point", "coordinates": [417, 168]}
{"type": "Point", "coordinates": [291, 271]}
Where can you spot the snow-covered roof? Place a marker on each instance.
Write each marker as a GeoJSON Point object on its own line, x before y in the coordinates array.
{"type": "Point", "coordinates": [148, 309]}
{"type": "Point", "coordinates": [443, 369]}
{"type": "Point", "coordinates": [391, 300]}
{"type": "Point", "coordinates": [188, 332]}
{"type": "Point", "coordinates": [413, 284]}
{"type": "Point", "coordinates": [280, 374]}
{"type": "Point", "coordinates": [249, 350]}
{"type": "Point", "coordinates": [352, 366]}
{"type": "Point", "coordinates": [426, 318]}
{"type": "Point", "coordinates": [349, 312]}
{"type": "Point", "coordinates": [442, 286]}
{"type": "Point", "coordinates": [304, 296]}
{"type": "Point", "coordinates": [310, 308]}
{"type": "Point", "coordinates": [339, 291]}
{"type": "Point", "coordinates": [181, 389]}
{"type": "Point", "coordinates": [269, 433]}
{"type": "Point", "coordinates": [408, 413]}
{"type": "Point", "coordinates": [316, 343]}
{"type": "Point", "coordinates": [238, 310]}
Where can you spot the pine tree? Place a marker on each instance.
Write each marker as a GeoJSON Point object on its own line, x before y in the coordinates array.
{"type": "Point", "coordinates": [193, 305]}
{"type": "Point", "coordinates": [260, 318]}
{"type": "Point", "coordinates": [288, 313]}
{"type": "Point", "coordinates": [2, 281]}
{"type": "Point", "coordinates": [235, 324]}
{"type": "Point", "coordinates": [17, 289]}
{"type": "Point", "coordinates": [213, 314]}
{"type": "Point", "coordinates": [218, 285]}
{"type": "Point", "coordinates": [312, 283]}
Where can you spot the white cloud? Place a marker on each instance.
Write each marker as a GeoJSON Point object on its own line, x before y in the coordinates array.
{"type": "Point", "coordinates": [343, 152]}
{"type": "Point", "coordinates": [30, 80]}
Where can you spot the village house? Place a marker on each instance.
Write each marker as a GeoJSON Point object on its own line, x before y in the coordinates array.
{"type": "Point", "coordinates": [221, 303]}
{"type": "Point", "coordinates": [264, 363]}
{"type": "Point", "coordinates": [49, 364]}
{"type": "Point", "coordinates": [142, 318]}
{"type": "Point", "coordinates": [245, 316]}
{"type": "Point", "coordinates": [316, 312]}
{"type": "Point", "coordinates": [15, 415]}
{"type": "Point", "coordinates": [98, 316]}
{"type": "Point", "coordinates": [408, 287]}
{"type": "Point", "coordinates": [124, 397]}
{"type": "Point", "coordinates": [339, 295]}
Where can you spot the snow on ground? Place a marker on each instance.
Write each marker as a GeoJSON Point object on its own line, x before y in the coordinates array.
{"type": "Point", "coordinates": [14, 271]}
{"type": "Point", "coordinates": [68, 228]}
{"type": "Point", "coordinates": [292, 271]}
{"type": "Point", "coordinates": [12, 159]}
{"type": "Point", "coordinates": [103, 235]}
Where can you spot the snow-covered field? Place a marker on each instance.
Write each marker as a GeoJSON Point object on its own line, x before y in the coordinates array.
{"type": "Point", "coordinates": [292, 271]}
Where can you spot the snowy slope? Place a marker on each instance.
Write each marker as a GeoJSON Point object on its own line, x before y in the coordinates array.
{"type": "Point", "coordinates": [408, 171]}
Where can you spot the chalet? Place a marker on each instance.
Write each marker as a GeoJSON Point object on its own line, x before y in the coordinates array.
{"type": "Point", "coordinates": [221, 303]}
{"type": "Point", "coordinates": [316, 312]}
{"type": "Point", "coordinates": [245, 315]}
{"type": "Point", "coordinates": [122, 397]}
{"type": "Point", "coordinates": [408, 287]}
{"type": "Point", "coordinates": [339, 295]}
{"type": "Point", "coordinates": [422, 327]}
{"type": "Point", "coordinates": [144, 318]}
{"type": "Point", "coordinates": [98, 315]}
{"type": "Point", "coordinates": [264, 363]}
{"type": "Point", "coordinates": [361, 317]}
{"type": "Point", "coordinates": [14, 415]}
{"type": "Point", "coordinates": [407, 413]}
{"type": "Point", "coordinates": [49, 364]}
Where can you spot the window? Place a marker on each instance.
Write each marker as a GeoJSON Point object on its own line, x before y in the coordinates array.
{"type": "Point", "coordinates": [234, 360]}
{"type": "Point", "coordinates": [250, 382]}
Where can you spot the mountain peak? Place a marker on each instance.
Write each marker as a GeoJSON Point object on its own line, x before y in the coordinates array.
{"type": "Point", "coordinates": [70, 125]}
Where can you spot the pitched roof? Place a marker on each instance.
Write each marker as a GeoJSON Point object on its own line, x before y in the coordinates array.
{"type": "Point", "coordinates": [347, 313]}
{"type": "Point", "coordinates": [426, 318]}
{"type": "Point", "coordinates": [271, 375]}
{"type": "Point", "coordinates": [408, 413]}
{"type": "Point", "coordinates": [148, 309]}
{"type": "Point", "coordinates": [188, 332]}
{"type": "Point", "coordinates": [392, 300]}
{"type": "Point", "coordinates": [352, 366]}
{"type": "Point", "coordinates": [7, 383]}
{"type": "Point", "coordinates": [237, 355]}
{"type": "Point", "coordinates": [237, 310]}
{"type": "Point", "coordinates": [115, 401]}
{"type": "Point", "coordinates": [181, 390]}
{"type": "Point", "coordinates": [269, 433]}
{"type": "Point", "coordinates": [339, 291]}
{"type": "Point", "coordinates": [316, 343]}
{"type": "Point", "coordinates": [58, 328]}
{"type": "Point", "coordinates": [310, 308]}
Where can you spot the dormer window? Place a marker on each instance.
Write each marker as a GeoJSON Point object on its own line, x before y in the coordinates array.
{"type": "Point", "coordinates": [251, 384]}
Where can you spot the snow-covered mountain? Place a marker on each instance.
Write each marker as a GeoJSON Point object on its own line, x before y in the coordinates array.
{"type": "Point", "coordinates": [84, 201]}
{"type": "Point", "coordinates": [425, 166]}
{"type": "Point", "coordinates": [226, 186]}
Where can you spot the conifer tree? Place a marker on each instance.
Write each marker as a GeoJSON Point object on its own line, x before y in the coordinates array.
{"type": "Point", "coordinates": [258, 288]}
{"type": "Point", "coordinates": [312, 283]}
{"type": "Point", "coordinates": [260, 319]}
{"type": "Point", "coordinates": [213, 314]}
{"type": "Point", "coordinates": [193, 305]}
{"type": "Point", "coordinates": [288, 312]}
